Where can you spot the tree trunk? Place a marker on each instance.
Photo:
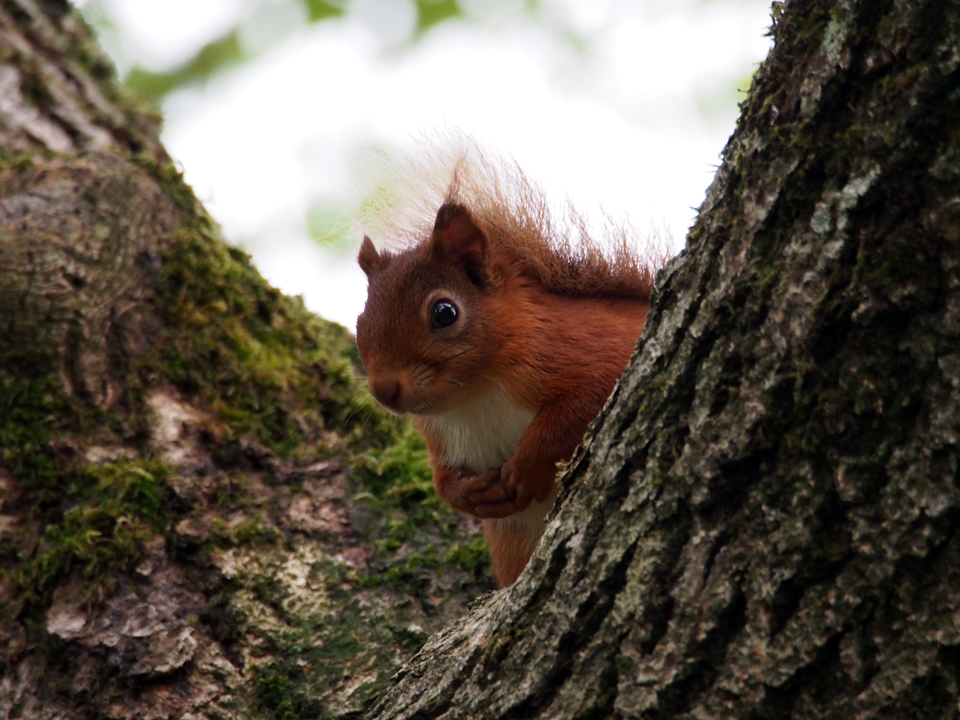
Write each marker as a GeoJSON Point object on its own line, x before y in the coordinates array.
{"type": "Point", "coordinates": [201, 515]}
{"type": "Point", "coordinates": [764, 523]}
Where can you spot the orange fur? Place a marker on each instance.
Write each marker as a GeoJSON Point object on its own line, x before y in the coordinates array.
{"type": "Point", "coordinates": [539, 331]}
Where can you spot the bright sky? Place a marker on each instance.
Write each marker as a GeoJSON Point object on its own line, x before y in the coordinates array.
{"type": "Point", "coordinates": [634, 124]}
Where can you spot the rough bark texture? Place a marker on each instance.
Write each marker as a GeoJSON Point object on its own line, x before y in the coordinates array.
{"type": "Point", "coordinates": [200, 514]}
{"type": "Point", "coordinates": [200, 517]}
{"type": "Point", "coordinates": [765, 522]}
{"type": "Point", "coordinates": [74, 228]}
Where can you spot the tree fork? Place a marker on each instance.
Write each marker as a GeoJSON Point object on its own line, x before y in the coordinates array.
{"type": "Point", "coordinates": [761, 525]}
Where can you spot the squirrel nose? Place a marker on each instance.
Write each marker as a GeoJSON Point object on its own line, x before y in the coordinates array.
{"type": "Point", "coordinates": [386, 391]}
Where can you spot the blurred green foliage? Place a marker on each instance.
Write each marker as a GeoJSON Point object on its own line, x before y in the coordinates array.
{"type": "Point", "coordinates": [223, 52]}
{"type": "Point", "coordinates": [431, 12]}
{"type": "Point", "coordinates": [229, 50]}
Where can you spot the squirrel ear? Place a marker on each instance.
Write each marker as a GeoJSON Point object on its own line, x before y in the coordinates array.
{"type": "Point", "coordinates": [457, 235]}
{"type": "Point", "coordinates": [369, 259]}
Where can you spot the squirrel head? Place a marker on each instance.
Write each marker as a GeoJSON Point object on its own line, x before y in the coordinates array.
{"type": "Point", "coordinates": [425, 332]}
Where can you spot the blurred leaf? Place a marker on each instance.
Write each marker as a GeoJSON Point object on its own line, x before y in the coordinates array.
{"type": "Point", "coordinates": [327, 227]}
{"type": "Point", "coordinates": [213, 57]}
{"type": "Point", "coordinates": [229, 49]}
{"type": "Point", "coordinates": [321, 10]}
{"type": "Point", "coordinates": [432, 12]}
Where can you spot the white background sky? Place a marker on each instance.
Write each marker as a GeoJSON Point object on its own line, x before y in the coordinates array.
{"type": "Point", "coordinates": [630, 115]}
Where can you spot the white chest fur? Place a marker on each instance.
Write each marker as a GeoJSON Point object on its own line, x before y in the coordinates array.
{"type": "Point", "coordinates": [481, 434]}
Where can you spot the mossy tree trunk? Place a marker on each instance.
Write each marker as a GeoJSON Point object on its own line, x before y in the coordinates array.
{"type": "Point", "coordinates": [766, 521]}
{"type": "Point", "coordinates": [200, 514]}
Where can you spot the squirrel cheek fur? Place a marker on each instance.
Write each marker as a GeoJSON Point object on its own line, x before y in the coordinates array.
{"type": "Point", "coordinates": [500, 372]}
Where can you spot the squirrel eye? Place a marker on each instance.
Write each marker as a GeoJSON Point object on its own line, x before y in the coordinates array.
{"type": "Point", "coordinates": [443, 314]}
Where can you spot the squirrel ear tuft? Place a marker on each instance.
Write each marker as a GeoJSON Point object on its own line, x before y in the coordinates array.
{"type": "Point", "coordinates": [369, 259]}
{"type": "Point", "coordinates": [457, 235]}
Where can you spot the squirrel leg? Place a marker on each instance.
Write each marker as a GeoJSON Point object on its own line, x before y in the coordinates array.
{"type": "Point", "coordinates": [551, 437]}
{"type": "Point", "coordinates": [511, 545]}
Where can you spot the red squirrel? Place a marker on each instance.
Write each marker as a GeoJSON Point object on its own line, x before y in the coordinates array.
{"type": "Point", "coordinates": [502, 341]}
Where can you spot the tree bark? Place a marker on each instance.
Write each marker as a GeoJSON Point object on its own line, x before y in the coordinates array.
{"type": "Point", "coordinates": [764, 521]}
{"type": "Point", "coordinates": [201, 515]}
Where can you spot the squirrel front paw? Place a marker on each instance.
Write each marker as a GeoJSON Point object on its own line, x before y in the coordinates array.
{"type": "Point", "coordinates": [483, 496]}
{"type": "Point", "coordinates": [493, 494]}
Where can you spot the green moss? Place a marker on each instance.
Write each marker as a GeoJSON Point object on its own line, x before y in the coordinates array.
{"type": "Point", "coordinates": [83, 523]}
{"type": "Point", "coordinates": [29, 407]}
{"type": "Point", "coordinates": [399, 472]}
{"type": "Point", "coordinates": [415, 532]}
{"type": "Point", "coordinates": [268, 368]}
{"type": "Point", "coordinates": [471, 556]}
{"type": "Point", "coordinates": [270, 591]}
{"type": "Point", "coordinates": [256, 531]}
{"type": "Point", "coordinates": [18, 163]}
{"type": "Point", "coordinates": [279, 694]}
{"type": "Point", "coordinates": [348, 641]}
{"type": "Point", "coordinates": [94, 524]}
